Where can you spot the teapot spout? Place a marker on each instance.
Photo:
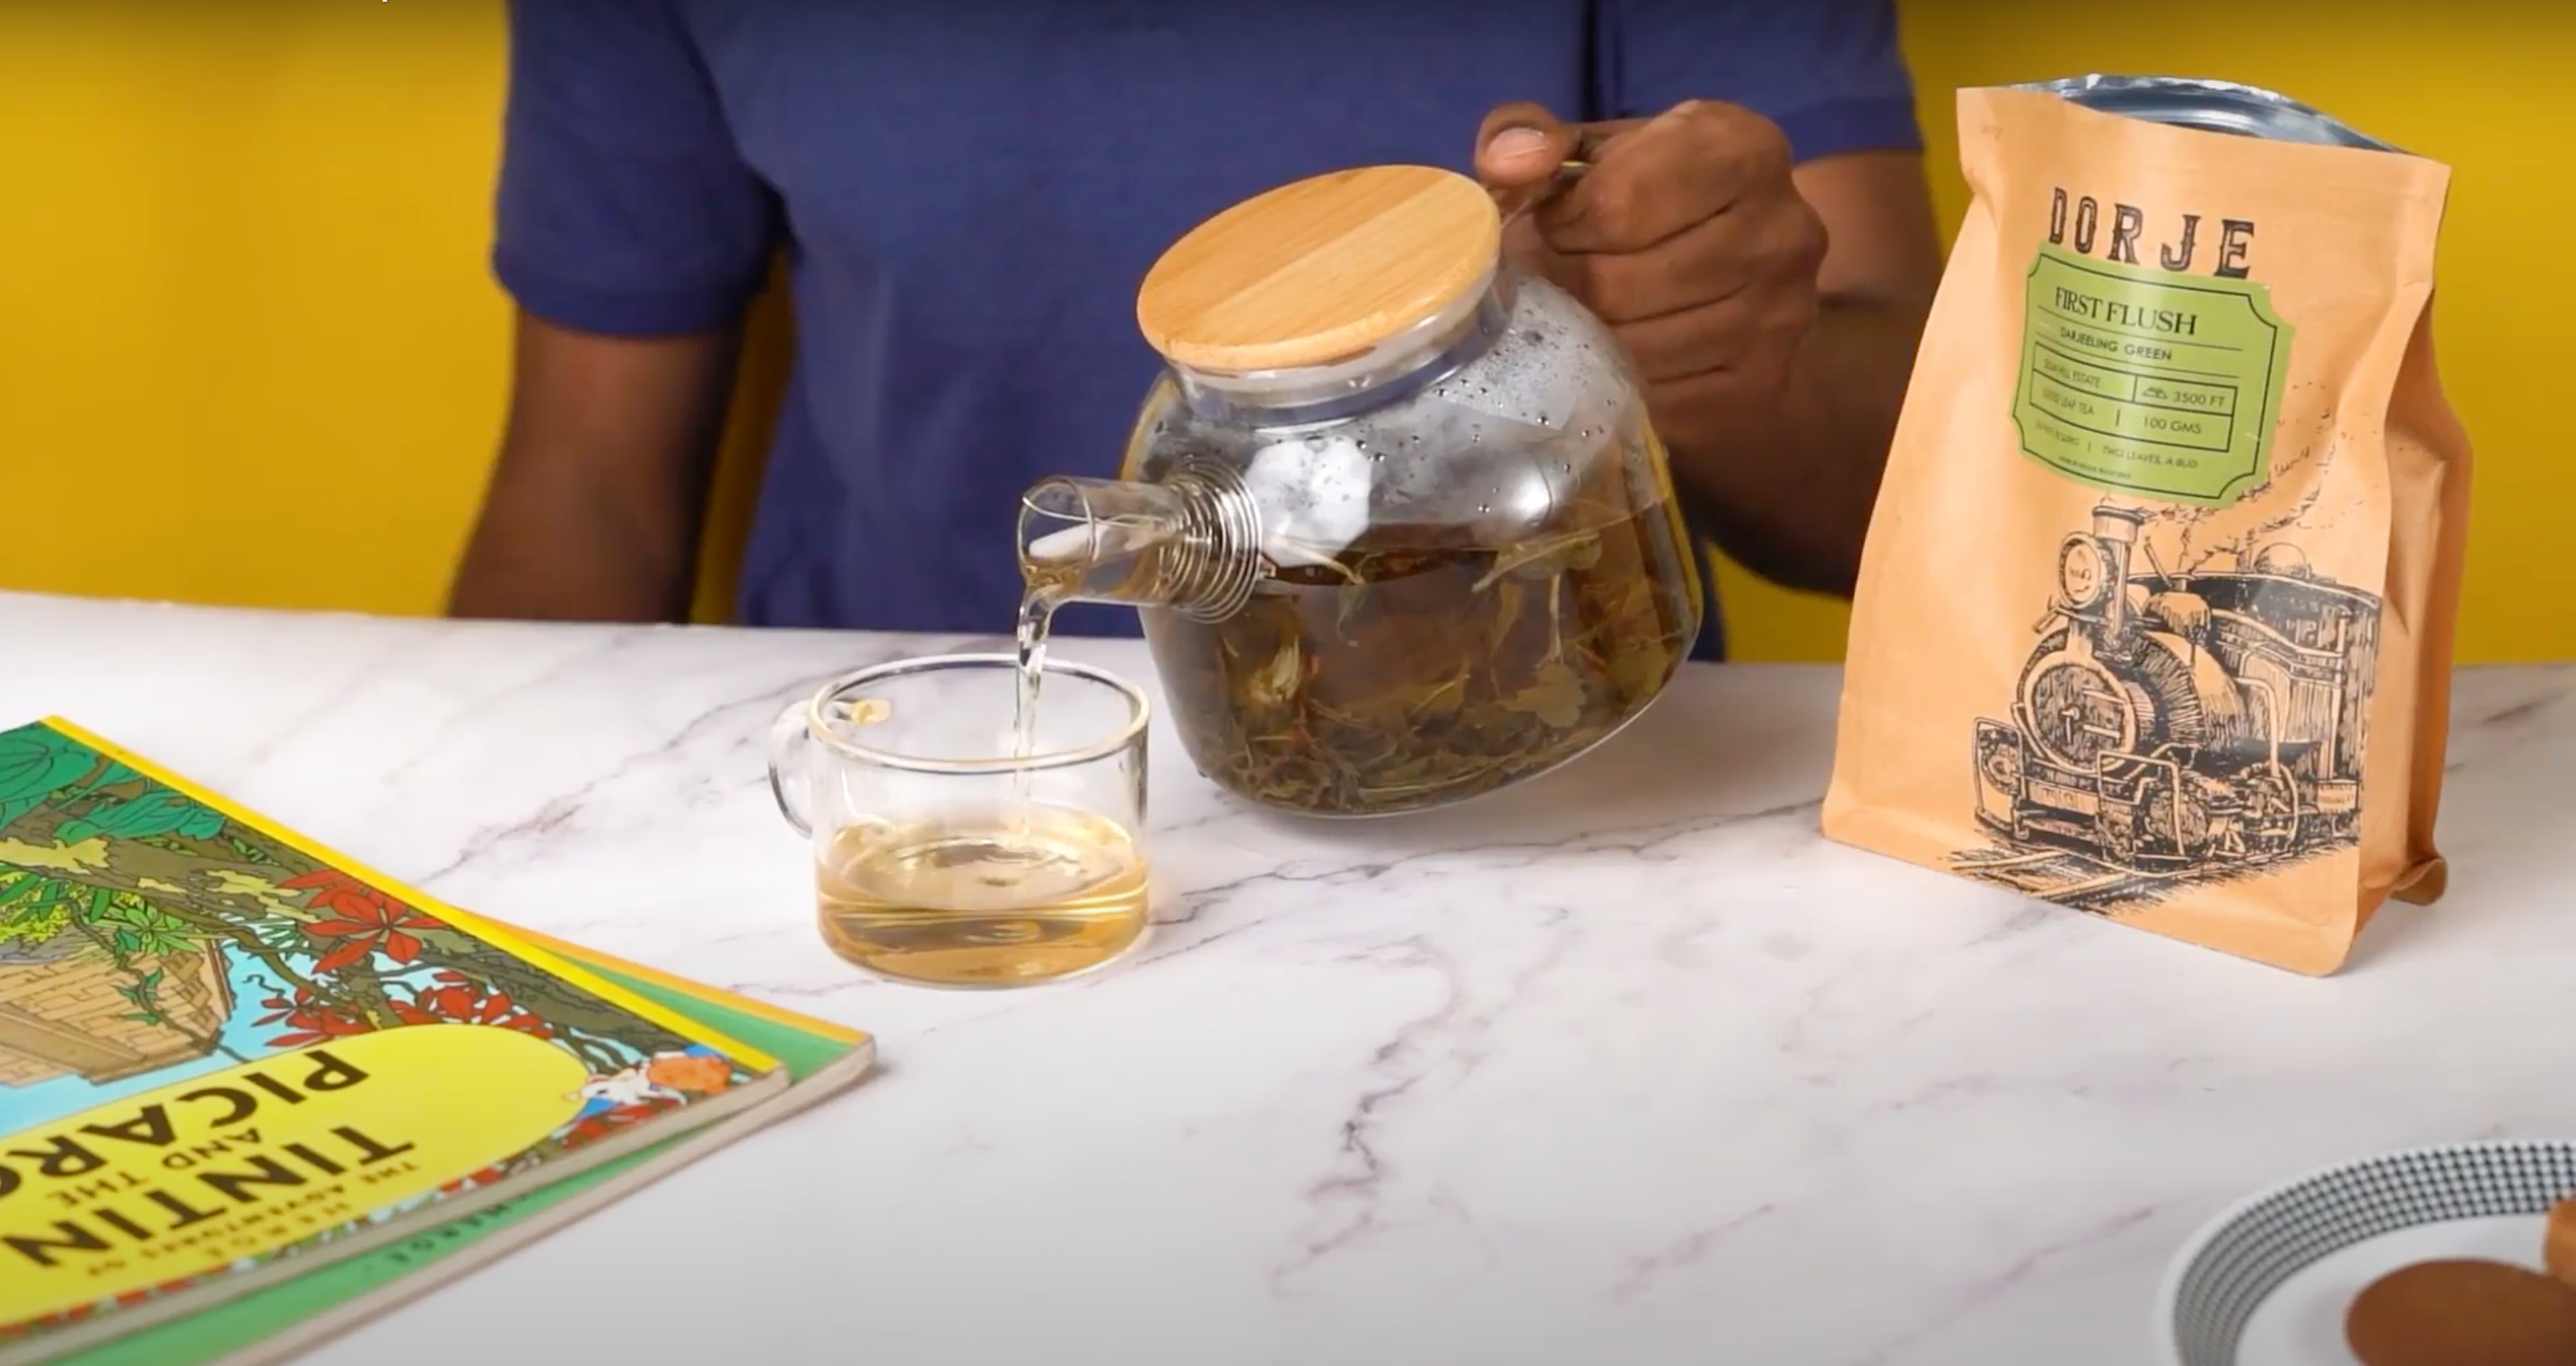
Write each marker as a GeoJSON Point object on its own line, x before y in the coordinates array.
{"type": "Point", "coordinates": [1187, 543]}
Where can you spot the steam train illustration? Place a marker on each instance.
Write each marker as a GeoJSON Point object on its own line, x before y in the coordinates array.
{"type": "Point", "coordinates": [2167, 724]}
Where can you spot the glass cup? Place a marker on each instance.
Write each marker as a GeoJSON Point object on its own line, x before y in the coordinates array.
{"type": "Point", "coordinates": [945, 857]}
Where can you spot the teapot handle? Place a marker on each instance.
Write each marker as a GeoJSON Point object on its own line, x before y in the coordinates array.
{"type": "Point", "coordinates": [788, 738]}
{"type": "Point", "coordinates": [1514, 203]}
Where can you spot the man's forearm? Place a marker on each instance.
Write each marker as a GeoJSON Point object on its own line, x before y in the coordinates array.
{"type": "Point", "coordinates": [567, 555]}
{"type": "Point", "coordinates": [1786, 482]}
{"type": "Point", "coordinates": [595, 503]}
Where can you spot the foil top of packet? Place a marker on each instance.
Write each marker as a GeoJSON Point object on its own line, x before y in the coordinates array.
{"type": "Point", "coordinates": [2213, 106]}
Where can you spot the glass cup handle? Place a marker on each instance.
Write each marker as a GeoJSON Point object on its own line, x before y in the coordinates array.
{"type": "Point", "coordinates": [787, 740]}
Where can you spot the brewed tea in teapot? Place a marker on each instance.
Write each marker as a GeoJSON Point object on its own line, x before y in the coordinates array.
{"type": "Point", "coordinates": [1394, 518]}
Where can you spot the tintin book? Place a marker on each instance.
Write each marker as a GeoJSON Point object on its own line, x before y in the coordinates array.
{"type": "Point", "coordinates": [283, 1321]}
{"type": "Point", "coordinates": [233, 1061]}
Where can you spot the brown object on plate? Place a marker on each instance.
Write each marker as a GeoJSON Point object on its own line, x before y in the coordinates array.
{"type": "Point", "coordinates": [2558, 1246]}
{"type": "Point", "coordinates": [2463, 1312]}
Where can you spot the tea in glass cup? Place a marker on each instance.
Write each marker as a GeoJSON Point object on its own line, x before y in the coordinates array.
{"type": "Point", "coordinates": [950, 852]}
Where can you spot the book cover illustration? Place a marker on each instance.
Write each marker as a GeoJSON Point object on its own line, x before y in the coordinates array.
{"type": "Point", "coordinates": [279, 1323]}
{"type": "Point", "coordinates": [224, 1049]}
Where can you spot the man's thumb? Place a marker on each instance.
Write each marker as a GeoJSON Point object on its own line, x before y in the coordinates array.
{"type": "Point", "coordinates": [1521, 144]}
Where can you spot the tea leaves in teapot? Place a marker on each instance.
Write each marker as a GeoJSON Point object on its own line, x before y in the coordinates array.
{"type": "Point", "coordinates": [1545, 558]}
{"type": "Point", "coordinates": [1555, 696]}
{"type": "Point", "coordinates": [1420, 667]}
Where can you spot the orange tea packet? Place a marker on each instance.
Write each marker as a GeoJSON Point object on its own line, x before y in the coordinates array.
{"type": "Point", "coordinates": [2155, 616]}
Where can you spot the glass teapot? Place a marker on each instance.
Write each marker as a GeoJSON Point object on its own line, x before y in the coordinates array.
{"type": "Point", "coordinates": [1394, 519]}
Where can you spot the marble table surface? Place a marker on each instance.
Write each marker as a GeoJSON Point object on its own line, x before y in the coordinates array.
{"type": "Point", "coordinates": [1629, 1066]}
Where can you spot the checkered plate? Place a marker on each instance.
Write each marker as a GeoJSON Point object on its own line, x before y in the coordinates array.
{"type": "Point", "coordinates": [2267, 1281]}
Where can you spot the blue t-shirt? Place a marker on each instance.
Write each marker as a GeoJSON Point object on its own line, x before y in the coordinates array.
{"type": "Point", "coordinates": [969, 192]}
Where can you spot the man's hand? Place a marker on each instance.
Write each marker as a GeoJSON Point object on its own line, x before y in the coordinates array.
{"type": "Point", "coordinates": [1698, 241]}
{"type": "Point", "coordinates": [1687, 236]}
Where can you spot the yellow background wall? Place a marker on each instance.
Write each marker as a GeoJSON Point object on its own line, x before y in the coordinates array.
{"type": "Point", "coordinates": [249, 351]}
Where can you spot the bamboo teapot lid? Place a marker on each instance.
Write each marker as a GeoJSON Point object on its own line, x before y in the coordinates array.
{"type": "Point", "coordinates": [1320, 269]}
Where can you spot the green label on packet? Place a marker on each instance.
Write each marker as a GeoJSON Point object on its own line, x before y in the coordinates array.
{"type": "Point", "coordinates": [2149, 382]}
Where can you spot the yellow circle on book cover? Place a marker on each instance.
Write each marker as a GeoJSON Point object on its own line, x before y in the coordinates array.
{"type": "Point", "coordinates": [201, 1174]}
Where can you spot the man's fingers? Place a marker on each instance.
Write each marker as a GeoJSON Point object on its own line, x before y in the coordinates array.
{"type": "Point", "coordinates": [1675, 346]}
{"type": "Point", "coordinates": [1691, 162]}
{"type": "Point", "coordinates": [1520, 144]}
{"type": "Point", "coordinates": [1743, 342]}
{"type": "Point", "coordinates": [1523, 247]}
{"type": "Point", "coordinates": [1705, 262]}
{"type": "Point", "coordinates": [1686, 408]}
